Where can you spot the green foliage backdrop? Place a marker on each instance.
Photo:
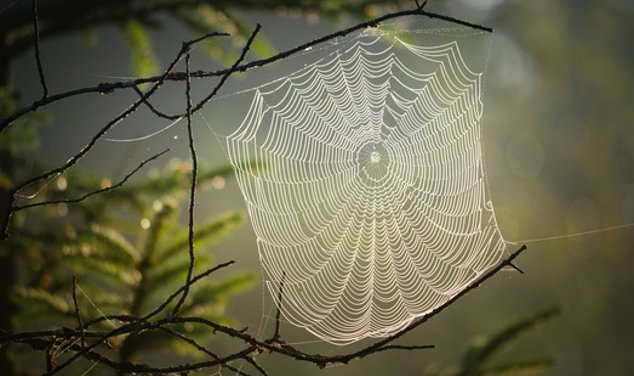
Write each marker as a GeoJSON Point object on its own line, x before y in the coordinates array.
{"type": "Point", "coordinates": [558, 148]}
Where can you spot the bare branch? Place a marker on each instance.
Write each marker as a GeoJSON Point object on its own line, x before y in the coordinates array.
{"type": "Point", "coordinates": [204, 350]}
{"type": "Point", "coordinates": [109, 87]}
{"type": "Point", "coordinates": [38, 60]}
{"type": "Point", "coordinates": [197, 278]}
{"type": "Point", "coordinates": [192, 150]}
{"type": "Point", "coordinates": [79, 155]}
{"type": "Point", "coordinates": [257, 366]}
{"type": "Point", "coordinates": [517, 268]}
{"type": "Point", "coordinates": [254, 346]}
{"type": "Point", "coordinates": [128, 367]}
{"type": "Point", "coordinates": [192, 191]}
{"type": "Point", "coordinates": [276, 338]}
{"type": "Point", "coordinates": [152, 108]}
{"type": "Point", "coordinates": [378, 346]}
{"type": "Point", "coordinates": [49, 357]}
{"type": "Point", "coordinates": [80, 323]}
{"type": "Point", "coordinates": [225, 75]}
{"type": "Point", "coordinates": [484, 277]}
{"type": "Point", "coordinates": [91, 336]}
{"type": "Point", "coordinates": [98, 191]}
{"type": "Point", "coordinates": [404, 347]}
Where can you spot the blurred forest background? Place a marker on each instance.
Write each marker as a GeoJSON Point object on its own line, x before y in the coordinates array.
{"type": "Point", "coordinates": [558, 147]}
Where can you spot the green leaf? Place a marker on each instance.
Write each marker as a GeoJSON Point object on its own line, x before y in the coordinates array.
{"type": "Point", "coordinates": [5, 181]}
{"type": "Point", "coordinates": [207, 17]}
{"type": "Point", "coordinates": [206, 234]}
{"type": "Point", "coordinates": [162, 277]}
{"type": "Point", "coordinates": [207, 175]}
{"type": "Point", "coordinates": [204, 19]}
{"type": "Point", "coordinates": [144, 62]}
{"type": "Point", "coordinates": [121, 274]}
{"type": "Point", "coordinates": [22, 134]}
{"type": "Point", "coordinates": [230, 286]}
{"type": "Point", "coordinates": [211, 300]}
{"type": "Point", "coordinates": [113, 240]}
{"type": "Point", "coordinates": [261, 46]}
{"type": "Point", "coordinates": [158, 226]}
{"type": "Point", "coordinates": [520, 368]}
{"type": "Point", "coordinates": [25, 296]}
{"type": "Point", "coordinates": [480, 352]}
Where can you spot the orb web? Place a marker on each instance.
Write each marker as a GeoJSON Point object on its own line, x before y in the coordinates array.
{"type": "Point", "coordinates": [372, 207]}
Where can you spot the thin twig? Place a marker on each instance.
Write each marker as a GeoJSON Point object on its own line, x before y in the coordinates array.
{"type": "Point", "coordinates": [255, 365]}
{"type": "Point", "coordinates": [79, 155]}
{"type": "Point", "coordinates": [134, 326]}
{"type": "Point", "coordinates": [57, 333]}
{"type": "Point", "coordinates": [98, 191]}
{"type": "Point", "coordinates": [128, 367]}
{"type": "Point", "coordinates": [404, 347]}
{"type": "Point", "coordinates": [192, 191]}
{"type": "Point", "coordinates": [192, 150]}
{"type": "Point", "coordinates": [80, 323]}
{"type": "Point", "coordinates": [109, 87]}
{"type": "Point", "coordinates": [180, 290]}
{"type": "Point", "coordinates": [151, 107]}
{"type": "Point", "coordinates": [253, 345]}
{"type": "Point", "coordinates": [517, 268]}
{"type": "Point", "coordinates": [225, 75]}
{"type": "Point", "coordinates": [378, 346]}
{"type": "Point", "coordinates": [276, 338]}
{"type": "Point", "coordinates": [48, 356]}
{"type": "Point", "coordinates": [484, 277]}
{"type": "Point", "coordinates": [38, 60]}
{"type": "Point", "coordinates": [203, 349]}
{"type": "Point", "coordinates": [129, 324]}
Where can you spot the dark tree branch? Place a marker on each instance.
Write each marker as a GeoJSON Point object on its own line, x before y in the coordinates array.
{"type": "Point", "coordinates": [254, 363]}
{"type": "Point", "coordinates": [129, 367]}
{"type": "Point", "coordinates": [404, 347]}
{"type": "Point", "coordinates": [276, 338]}
{"type": "Point", "coordinates": [98, 191]}
{"type": "Point", "coordinates": [80, 323]}
{"type": "Point", "coordinates": [151, 107]}
{"type": "Point", "coordinates": [517, 268]}
{"type": "Point", "coordinates": [93, 141]}
{"type": "Point", "coordinates": [504, 263]}
{"type": "Point", "coordinates": [192, 150]}
{"type": "Point", "coordinates": [203, 349]}
{"type": "Point", "coordinates": [225, 74]}
{"type": "Point", "coordinates": [181, 289]}
{"type": "Point", "coordinates": [162, 319]}
{"type": "Point", "coordinates": [57, 333]}
{"type": "Point", "coordinates": [38, 60]}
{"type": "Point", "coordinates": [192, 191]}
{"type": "Point", "coordinates": [49, 357]}
{"type": "Point", "coordinates": [109, 87]}
{"type": "Point", "coordinates": [254, 346]}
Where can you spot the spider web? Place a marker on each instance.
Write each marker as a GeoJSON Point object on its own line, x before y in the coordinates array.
{"type": "Point", "coordinates": [370, 204]}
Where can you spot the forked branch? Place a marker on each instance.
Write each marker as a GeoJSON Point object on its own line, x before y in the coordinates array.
{"type": "Point", "coordinates": [110, 87]}
{"type": "Point", "coordinates": [88, 339]}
